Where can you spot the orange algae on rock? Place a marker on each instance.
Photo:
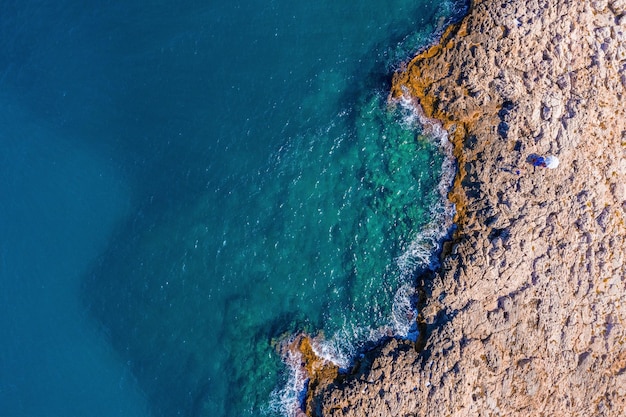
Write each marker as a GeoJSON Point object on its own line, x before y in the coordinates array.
{"type": "Point", "coordinates": [316, 370]}
{"type": "Point", "coordinates": [429, 80]}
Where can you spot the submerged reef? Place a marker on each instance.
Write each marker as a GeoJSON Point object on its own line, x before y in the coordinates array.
{"type": "Point", "coordinates": [526, 315]}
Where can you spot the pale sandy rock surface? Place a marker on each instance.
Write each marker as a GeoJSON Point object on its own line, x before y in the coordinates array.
{"type": "Point", "coordinates": [527, 315]}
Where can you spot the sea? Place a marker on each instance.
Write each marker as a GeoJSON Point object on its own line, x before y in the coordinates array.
{"type": "Point", "coordinates": [185, 186]}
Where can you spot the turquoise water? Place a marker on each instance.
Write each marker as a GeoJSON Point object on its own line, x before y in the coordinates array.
{"type": "Point", "coordinates": [187, 184]}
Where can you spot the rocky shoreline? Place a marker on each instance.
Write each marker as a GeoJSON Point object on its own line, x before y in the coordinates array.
{"type": "Point", "coordinates": [527, 313]}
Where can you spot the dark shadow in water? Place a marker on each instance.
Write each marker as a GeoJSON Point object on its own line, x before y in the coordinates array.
{"type": "Point", "coordinates": [123, 292]}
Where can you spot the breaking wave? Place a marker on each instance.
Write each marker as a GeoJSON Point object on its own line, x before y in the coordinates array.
{"type": "Point", "coordinates": [419, 255]}
{"type": "Point", "coordinates": [288, 400]}
{"type": "Point", "coordinates": [423, 249]}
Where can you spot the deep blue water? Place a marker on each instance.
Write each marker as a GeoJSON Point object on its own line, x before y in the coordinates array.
{"type": "Point", "coordinates": [184, 185]}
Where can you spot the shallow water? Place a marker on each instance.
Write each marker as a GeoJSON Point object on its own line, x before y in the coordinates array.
{"type": "Point", "coordinates": [196, 182]}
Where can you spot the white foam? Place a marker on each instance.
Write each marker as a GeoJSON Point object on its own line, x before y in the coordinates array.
{"type": "Point", "coordinates": [340, 349]}
{"type": "Point", "coordinates": [404, 312]}
{"type": "Point", "coordinates": [288, 399]}
{"type": "Point", "coordinates": [423, 250]}
{"type": "Point", "coordinates": [424, 247]}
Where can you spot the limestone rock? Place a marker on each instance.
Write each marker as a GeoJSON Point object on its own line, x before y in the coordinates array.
{"type": "Point", "coordinates": [527, 314]}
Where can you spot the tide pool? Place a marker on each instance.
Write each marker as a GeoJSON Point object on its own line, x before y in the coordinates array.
{"type": "Point", "coordinates": [222, 176]}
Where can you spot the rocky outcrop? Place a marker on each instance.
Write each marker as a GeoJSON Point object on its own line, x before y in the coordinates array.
{"type": "Point", "coordinates": [527, 314]}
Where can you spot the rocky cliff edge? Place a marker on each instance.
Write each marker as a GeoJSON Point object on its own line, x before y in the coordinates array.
{"type": "Point", "coordinates": [527, 314]}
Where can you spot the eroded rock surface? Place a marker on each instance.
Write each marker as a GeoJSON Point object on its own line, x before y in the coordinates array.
{"type": "Point", "coordinates": [527, 315]}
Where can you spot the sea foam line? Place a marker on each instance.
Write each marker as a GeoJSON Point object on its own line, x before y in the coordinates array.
{"type": "Point", "coordinates": [423, 249]}
{"type": "Point", "coordinates": [422, 252]}
{"type": "Point", "coordinates": [288, 399]}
